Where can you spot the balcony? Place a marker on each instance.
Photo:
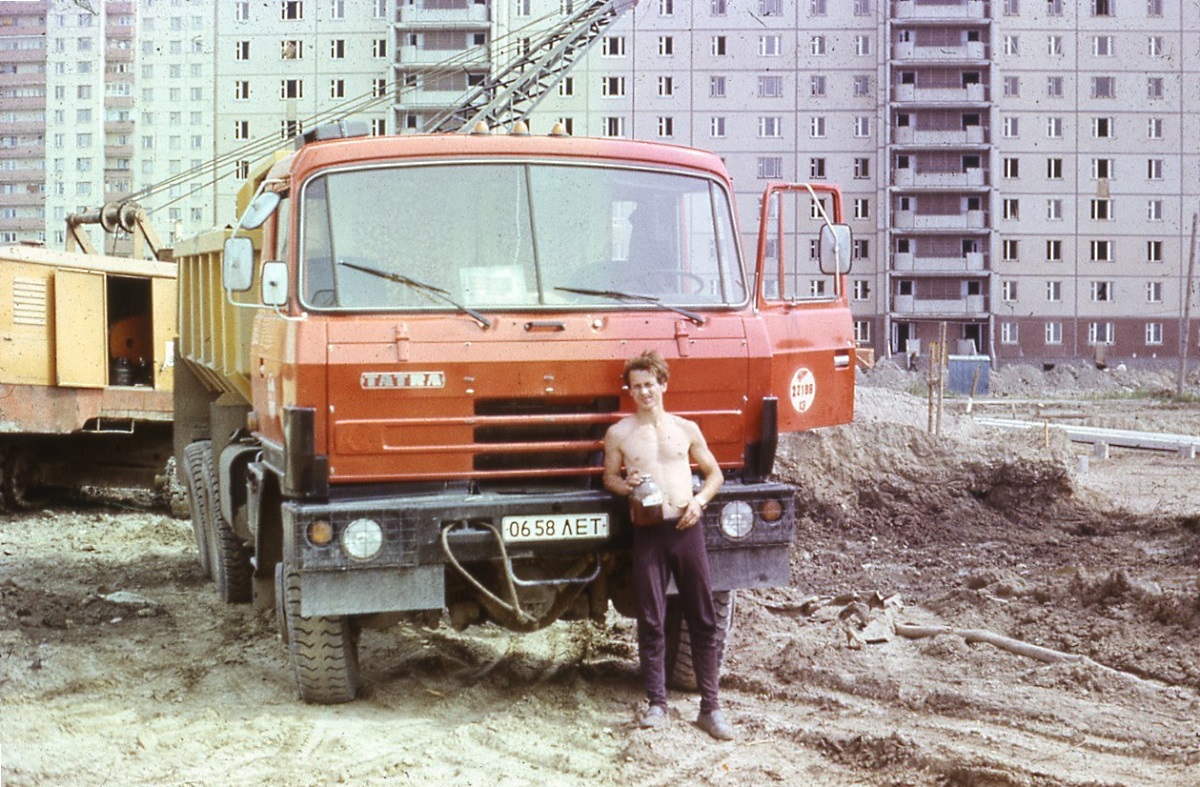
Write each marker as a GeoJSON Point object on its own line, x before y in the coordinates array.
{"type": "Point", "coordinates": [457, 59]}
{"type": "Point", "coordinates": [472, 16]}
{"type": "Point", "coordinates": [907, 262]}
{"type": "Point", "coordinates": [910, 178]}
{"type": "Point", "coordinates": [967, 306]}
{"type": "Point", "coordinates": [911, 220]}
{"type": "Point", "coordinates": [912, 94]}
{"type": "Point", "coordinates": [907, 135]}
{"type": "Point", "coordinates": [429, 100]}
{"type": "Point", "coordinates": [968, 50]}
{"type": "Point", "coordinates": [918, 10]}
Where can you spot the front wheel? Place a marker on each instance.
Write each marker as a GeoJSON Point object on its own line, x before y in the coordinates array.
{"type": "Point", "coordinates": [681, 674]}
{"type": "Point", "coordinates": [323, 649]}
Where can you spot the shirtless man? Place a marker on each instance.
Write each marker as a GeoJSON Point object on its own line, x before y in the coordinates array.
{"type": "Point", "coordinates": [652, 443]}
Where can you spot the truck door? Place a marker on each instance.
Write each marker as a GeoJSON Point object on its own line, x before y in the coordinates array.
{"type": "Point", "coordinates": [80, 336]}
{"type": "Point", "coordinates": [805, 312]}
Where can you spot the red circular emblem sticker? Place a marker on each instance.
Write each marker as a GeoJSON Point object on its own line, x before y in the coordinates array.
{"type": "Point", "coordinates": [803, 389]}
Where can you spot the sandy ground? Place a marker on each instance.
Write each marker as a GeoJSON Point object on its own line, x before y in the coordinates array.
{"type": "Point", "coordinates": [119, 665]}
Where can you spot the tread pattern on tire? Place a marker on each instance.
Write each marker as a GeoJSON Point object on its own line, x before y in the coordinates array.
{"type": "Point", "coordinates": [229, 558]}
{"type": "Point", "coordinates": [18, 492]}
{"type": "Point", "coordinates": [194, 470]}
{"type": "Point", "coordinates": [681, 674]}
{"type": "Point", "coordinates": [323, 650]}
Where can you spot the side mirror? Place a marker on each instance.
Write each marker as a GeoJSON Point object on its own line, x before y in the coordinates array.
{"type": "Point", "coordinates": [260, 209]}
{"type": "Point", "coordinates": [834, 249]}
{"type": "Point", "coordinates": [237, 269]}
{"type": "Point", "coordinates": [275, 284]}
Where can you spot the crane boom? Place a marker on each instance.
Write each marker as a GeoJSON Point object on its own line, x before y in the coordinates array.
{"type": "Point", "coordinates": [515, 90]}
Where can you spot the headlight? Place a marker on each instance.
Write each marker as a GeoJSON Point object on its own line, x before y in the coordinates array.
{"type": "Point", "coordinates": [362, 539]}
{"type": "Point", "coordinates": [737, 519]}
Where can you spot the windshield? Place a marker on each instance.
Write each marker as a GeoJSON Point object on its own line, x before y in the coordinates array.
{"type": "Point", "coordinates": [516, 236]}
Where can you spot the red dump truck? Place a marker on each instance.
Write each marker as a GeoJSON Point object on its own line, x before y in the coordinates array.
{"type": "Point", "coordinates": [396, 373]}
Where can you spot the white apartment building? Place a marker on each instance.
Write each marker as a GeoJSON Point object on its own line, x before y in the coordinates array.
{"type": "Point", "coordinates": [1024, 171]}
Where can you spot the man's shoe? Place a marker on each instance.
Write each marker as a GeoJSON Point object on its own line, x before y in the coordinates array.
{"type": "Point", "coordinates": [653, 717]}
{"type": "Point", "coordinates": [715, 725]}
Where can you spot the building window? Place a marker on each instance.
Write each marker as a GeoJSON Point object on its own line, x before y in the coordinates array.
{"type": "Point", "coordinates": [1102, 210]}
{"type": "Point", "coordinates": [1010, 250]}
{"type": "Point", "coordinates": [1012, 86]}
{"type": "Point", "coordinates": [861, 247]}
{"type": "Point", "coordinates": [862, 331]}
{"type": "Point", "coordinates": [1054, 46]}
{"type": "Point", "coordinates": [1054, 169]}
{"type": "Point", "coordinates": [1154, 251]}
{"type": "Point", "coordinates": [1104, 87]}
{"type": "Point", "coordinates": [1154, 333]}
{"type": "Point", "coordinates": [241, 50]}
{"type": "Point", "coordinates": [1012, 7]}
{"type": "Point", "coordinates": [1102, 7]}
{"type": "Point", "coordinates": [1154, 7]}
{"type": "Point", "coordinates": [1008, 333]}
{"type": "Point", "coordinates": [337, 49]}
{"type": "Point", "coordinates": [612, 86]}
{"type": "Point", "coordinates": [1054, 7]}
{"type": "Point", "coordinates": [378, 127]}
{"type": "Point", "coordinates": [817, 85]}
{"type": "Point", "coordinates": [1054, 251]}
{"type": "Point", "coordinates": [613, 46]}
{"type": "Point", "coordinates": [770, 46]}
{"type": "Point", "coordinates": [770, 127]}
{"type": "Point", "coordinates": [666, 86]}
{"type": "Point", "coordinates": [862, 45]}
{"type": "Point", "coordinates": [817, 8]}
{"type": "Point", "coordinates": [1008, 290]}
{"type": "Point", "coordinates": [337, 88]}
{"type": "Point", "coordinates": [1154, 88]}
{"type": "Point", "coordinates": [1154, 46]}
{"type": "Point", "coordinates": [1011, 45]}
{"type": "Point", "coordinates": [1101, 333]}
{"type": "Point", "coordinates": [567, 86]}
{"type": "Point", "coordinates": [862, 7]}
{"type": "Point", "coordinates": [716, 87]}
{"type": "Point", "coordinates": [1102, 168]}
{"type": "Point", "coordinates": [1154, 210]}
{"type": "Point", "coordinates": [291, 49]}
{"type": "Point", "coordinates": [1154, 128]}
{"type": "Point", "coordinates": [1102, 128]}
{"type": "Point", "coordinates": [1054, 209]}
{"type": "Point", "coordinates": [1010, 128]}
{"type": "Point", "coordinates": [770, 167]}
{"type": "Point", "coordinates": [862, 126]}
{"type": "Point", "coordinates": [1101, 291]}
{"type": "Point", "coordinates": [816, 127]}
{"type": "Point", "coordinates": [1054, 127]}
{"type": "Point", "coordinates": [666, 127]}
{"type": "Point", "coordinates": [291, 88]}
{"type": "Point", "coordinates": [1154, 169]}
{"type": "Point", "coordinates": [666, 7]}
{"type": "Point", "coordinates": [817, 45]}
{"type": "Point", "coordinates": [291, 9]}
{"type": "Point", "coordinates": [816, 288]}
{"type": "Point", "coordinates": [614, 126]}
{"type": "Point", "coordinates": [379, 88]}
{"type": "Point", "coordinates": [1054, 291]}
{"type": "Point", "coordinates": [1154, 292]}
{"type": "Point", "coordinates": [666, 46]}
{"type": "Point", "coordinates": [862, 168]}
{"type": "Point", "coordinates": [861, 290]}
{"type": "Point", "coordinates": [716, 127]}
{"type": "Point", "coordinates": [1101, 250]}
{"type": "Point", "coordinates": [719, 7]}
{"type": "Point", "coordinates": [1011, 208]}
{"type": "Point", "coordinates": [862, 208]}
{"type": "Point", "coordinates": [241, 11]}
{"type": "Point", "coordinates": [379, 47]}
{"type": "Point", "coordinates": [1054, 333]}
{"type": "Point", "coordinates": [771, 87]}
{"type": "Point", "coordinates": [380, 10]}
{"type": "Point", "coordinates": [770, 7]}
{"type": "Point", "coordinates": [718, 45]}
{"type": "Point", "coordinates": [241, 90]}
{"type": "Point", "coordinates": [289, 129]}
{"type": "Point", "coordinates": [1054, 87]}
{"type": "Point", "coordinates": [1102, 46]}
{"type": "Point", "coordinates": [862, 85]}
{"type": "Point", "coordinates": [241, 129]}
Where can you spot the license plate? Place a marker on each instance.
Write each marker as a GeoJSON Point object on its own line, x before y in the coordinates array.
{"type": "Point", "coordinates": [554, 527]}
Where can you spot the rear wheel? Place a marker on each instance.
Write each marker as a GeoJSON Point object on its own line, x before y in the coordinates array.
{"type": "Point", "coordinates": [681, 673]}
{"type": "Point", "coordinates": [194, 472]}
{"type": "Point", "coordinates": [323, 649]}
{"type": "Point", "coordinates": [228, 556]}
{"type": "Point", "coordinates": [24, 480]}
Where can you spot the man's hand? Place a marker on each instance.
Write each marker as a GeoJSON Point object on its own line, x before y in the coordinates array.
{"type": "Point", "coordinates": [691, 514]}
{"type": "Point", "coordinates": [633, 479]}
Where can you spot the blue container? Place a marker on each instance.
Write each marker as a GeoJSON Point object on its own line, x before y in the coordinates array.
{"type": "Point", "coordinates": [963, 368]}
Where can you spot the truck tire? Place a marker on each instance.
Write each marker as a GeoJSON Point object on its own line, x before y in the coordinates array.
{"type": "Point", "coordinates": [23, 482]}
{"type": "Point", "coordinates": [680, 673]}
{"type": "Point", "coordinates": [228, 556]}
{"type": "Point", "coordinates": [323, 650]}
{"type": "Point", "coordinates": [194, 469]}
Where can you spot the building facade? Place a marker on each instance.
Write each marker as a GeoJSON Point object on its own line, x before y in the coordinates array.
{"type": "Point", "coordinates": [1023, 172]}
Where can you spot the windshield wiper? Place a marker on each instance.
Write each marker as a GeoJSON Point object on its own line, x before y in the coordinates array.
{"type": "Point", "coordinates": [635, 297]}
{"type": "Point", "coordinates": [420, 285]}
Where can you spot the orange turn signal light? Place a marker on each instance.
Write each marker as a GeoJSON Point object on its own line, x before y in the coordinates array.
{"type": "Point", "coordinates": [771, 511]}
{"type": "Point", "coordinates": [320, 533]}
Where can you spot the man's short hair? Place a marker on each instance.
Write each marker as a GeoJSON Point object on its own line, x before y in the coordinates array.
{"type": "Point", "coordinates": [648, 361]}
